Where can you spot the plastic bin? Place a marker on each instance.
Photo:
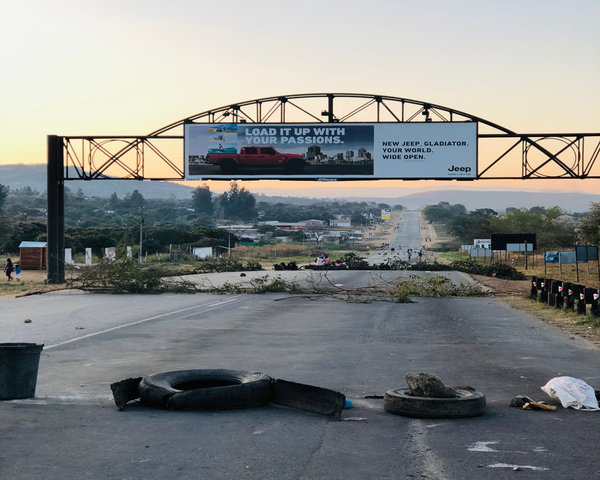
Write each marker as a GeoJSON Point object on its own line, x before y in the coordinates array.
{"type": "Point", "coordinates": [18, 369]}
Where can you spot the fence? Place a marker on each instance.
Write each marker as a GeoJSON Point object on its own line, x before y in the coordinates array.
{"type": "Point", "coordinates": [566, 296]}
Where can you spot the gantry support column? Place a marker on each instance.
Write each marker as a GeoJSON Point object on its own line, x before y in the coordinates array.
{"type": "Point", "coordinates": [56, 210]}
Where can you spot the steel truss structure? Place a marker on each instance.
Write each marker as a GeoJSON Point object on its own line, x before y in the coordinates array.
{"type": "Point", "coordinates": [502, 153]}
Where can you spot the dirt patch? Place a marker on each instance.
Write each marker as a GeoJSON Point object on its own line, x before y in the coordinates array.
{"type": "Point", "coordinates": [499, 286]}
{"type": "Point", "coordinates": [31, 281]}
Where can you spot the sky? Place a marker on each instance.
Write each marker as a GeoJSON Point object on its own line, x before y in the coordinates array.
{"type": "Point", "coordinates": [130, 67]}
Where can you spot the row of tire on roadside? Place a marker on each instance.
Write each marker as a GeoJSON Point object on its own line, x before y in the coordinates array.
{"type": "Point", "coordinates": [566, 296]}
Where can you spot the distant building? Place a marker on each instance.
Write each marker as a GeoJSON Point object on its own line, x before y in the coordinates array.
{"type": "Point", "coordinates": [340, 222]}
{"type": "Point", "coordinates": [313, 152]}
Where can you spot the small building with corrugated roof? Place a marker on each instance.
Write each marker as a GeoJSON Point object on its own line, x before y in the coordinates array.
{"type": "Point", "coordinates": [33, 255]}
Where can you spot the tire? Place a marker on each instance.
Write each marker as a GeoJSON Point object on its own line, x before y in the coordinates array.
{"type": "Point", "coordinates": [205, 389]}
{"type": "Point", "coordinates": [228, 165]}
{"type": "Point", "coordinates": [400, 402]}
{"type": "Point", "coordinates": [295, 166]}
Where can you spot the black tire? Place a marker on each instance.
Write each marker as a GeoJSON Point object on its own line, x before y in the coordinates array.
{"type": "Point", "coordinates": [295, 166]}
{"type": "Point", "coordinates": [228, 165]}
{"type": "Point", "coordinates": [400, 402]}
{"type": "Point", "coordinates": [205, 389]}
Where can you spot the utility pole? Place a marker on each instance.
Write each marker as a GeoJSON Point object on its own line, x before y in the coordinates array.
{"type": "Point", "coordinates": [141, 233]}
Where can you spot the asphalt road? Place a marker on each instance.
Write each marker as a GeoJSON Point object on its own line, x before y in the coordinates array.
{"type": "Point", "coordinates": [407, 235]}
{"type": "Point", "coordinates": [71, 430]}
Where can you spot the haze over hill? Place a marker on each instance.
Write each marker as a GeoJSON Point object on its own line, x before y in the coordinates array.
{"type": "Point", "coordinates": [34, 176]}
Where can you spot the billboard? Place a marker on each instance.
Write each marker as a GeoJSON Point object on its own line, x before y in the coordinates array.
{"type": "Point", "coordinates": [386, 214]}
{"type": "Point", "coordinates": [431, 150]}
{"type": "Point", "coordinates": [499, 240]}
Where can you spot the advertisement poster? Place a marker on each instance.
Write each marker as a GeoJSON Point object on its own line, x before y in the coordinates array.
{"type": "Point", "coordinates": [386, 214]}
{"type": "Point", "coordinates": [331, 150]}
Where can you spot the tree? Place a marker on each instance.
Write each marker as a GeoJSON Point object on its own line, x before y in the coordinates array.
{"type": "Point", "coordinates": [113, 201]}
{"type": "Point", "coordinates": [437, 213]}
{"type": "Point", "coordinates": [202, 200]}
{"type": "Point", "coordinates": [551, 232]}
{"type": "Point", "coordinates": [398, 207]}
{"type": "Point", "coordinates": [135, 199]}
{"type": "Point", "coordinates": [238, 203]}
{"type": "Point", "coordinates": [3, 194]}
{"type": "Point", "coordinates": [589, 227]}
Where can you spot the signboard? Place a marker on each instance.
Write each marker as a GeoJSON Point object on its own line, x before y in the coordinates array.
{"type": "Point", "coordinates": [551, 257]}
{"type": "Point", "coordinates": [386, 214]}
{"type": "Point", "coordinates": [482, 243]}
{"type": "Point", "coordinates": [467, 247]}
{"type": "Point", "coordinates": [567, 257]}
{"type": "Point", "coordinates": [481, 252]}
{"type": "Point", "coordinates": [499, 240]}
{"type": "Point", "coordinates": [586, 254]}
{"type": "Point", "coordinates": [110, 253]}
{"type": "Point", "coordinates": [519, 247]}
{"type": "Point", "coordinates": [432, 150]}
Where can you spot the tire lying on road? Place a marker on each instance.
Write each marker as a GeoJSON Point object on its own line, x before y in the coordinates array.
{"type": "Point", "coordinates": [205, 389]}
{"type": "Point", "coordinates": [467, 404]}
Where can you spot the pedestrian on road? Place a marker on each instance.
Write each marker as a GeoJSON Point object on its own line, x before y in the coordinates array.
{"type": "Point", "coordinates": [8, 269]}
{"type": "Point", "coordinates": [18, 272]}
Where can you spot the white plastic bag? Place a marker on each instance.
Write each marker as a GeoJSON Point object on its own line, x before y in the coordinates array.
{"type": "Point", "coordinates": [572, 392]}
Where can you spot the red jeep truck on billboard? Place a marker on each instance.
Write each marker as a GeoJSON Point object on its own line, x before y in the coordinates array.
{"type": "Point", "coordinates": [257, 157]}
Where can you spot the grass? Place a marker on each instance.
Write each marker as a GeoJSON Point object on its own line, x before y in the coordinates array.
{"type": "Point", "coordinates": [11, 289]}
{"type": "Point", "coordinates": [582, 325]}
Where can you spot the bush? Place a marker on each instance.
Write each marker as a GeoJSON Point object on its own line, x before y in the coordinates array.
{"type": "Point", "coordinates": [214, 265]}
{"type": "Point", "coordinates": [494, 269]}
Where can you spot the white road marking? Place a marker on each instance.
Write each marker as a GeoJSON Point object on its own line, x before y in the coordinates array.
{"type": "Point", "coordinates": [210, 305]}
{"type": "Point", "coordinates": [482, 447]}
{"type": "Point", "coordinates": [506, 465]}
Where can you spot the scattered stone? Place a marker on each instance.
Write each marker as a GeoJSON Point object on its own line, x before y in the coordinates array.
{"type": "Point", "coordinates": [79, 328]}
{"type": "Point", "coordinates": [242, 274]}
{"type": "Point", "coordinates": [27, 320]}
{"type": "Point", "coordinates": [516, 469]}
{"type": "Point", "coordinates": [428, 385]}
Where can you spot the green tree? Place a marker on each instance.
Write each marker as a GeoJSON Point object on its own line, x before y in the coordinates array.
{"type": "Point", "coordinates": [135, 199]}
{"type": "Point", "coordinates": [551, 232]}
{"type": "Point", "coordinates": [3, 194]}
{"type": "Point", "coordinates": [202, 200]}
{"type": "Point", "coordinates": [437, 213]}
{"type": "Point", "coordinates": [238, 203]}
{"type": "Point", "coordinates": [113, 201]}
{"type": "Point", "coordinates": [589, 227]}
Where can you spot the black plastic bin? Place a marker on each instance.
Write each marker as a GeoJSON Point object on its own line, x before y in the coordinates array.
{"type": "Point", "coordinates": [18, 369]}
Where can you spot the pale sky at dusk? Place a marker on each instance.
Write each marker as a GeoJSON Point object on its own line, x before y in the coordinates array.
{"type": "Point", "coordinates": [129, 67]}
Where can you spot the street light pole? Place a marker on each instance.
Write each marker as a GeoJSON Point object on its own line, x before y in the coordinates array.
{"type": "Point", "coordinates": [141, 233]}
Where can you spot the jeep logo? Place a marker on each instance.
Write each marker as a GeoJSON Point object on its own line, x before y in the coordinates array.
{"type": "Point", "coordinates": [459, 169]}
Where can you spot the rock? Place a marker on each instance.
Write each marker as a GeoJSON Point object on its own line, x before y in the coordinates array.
{"type": "Point", "coordinates": [27, 320]}
{"type": "Point", "coordinates": [428, 385]}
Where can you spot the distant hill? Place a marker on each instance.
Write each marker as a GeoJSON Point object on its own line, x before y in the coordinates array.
{"type": "Point", "coordinates": [34, 176]}
{"type": "Point", "coordinates": [500, 200]}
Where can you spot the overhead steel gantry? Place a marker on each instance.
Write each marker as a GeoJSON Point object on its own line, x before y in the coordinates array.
{"type": "Point", "coordinates": [502, 153]}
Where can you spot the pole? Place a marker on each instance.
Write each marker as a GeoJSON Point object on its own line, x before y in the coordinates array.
{"type": "Point", "coordinates": [141, 233]}
{"type": "Point", "coordinates": [526, 255]}
{"type": "Point", "coordinates": [55, 177]}
{"type": "Point", "coordinates": [546, 264]}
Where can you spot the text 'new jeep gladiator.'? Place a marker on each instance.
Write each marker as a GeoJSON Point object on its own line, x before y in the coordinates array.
{"type": "Point", "coordinates": [257, 157]}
